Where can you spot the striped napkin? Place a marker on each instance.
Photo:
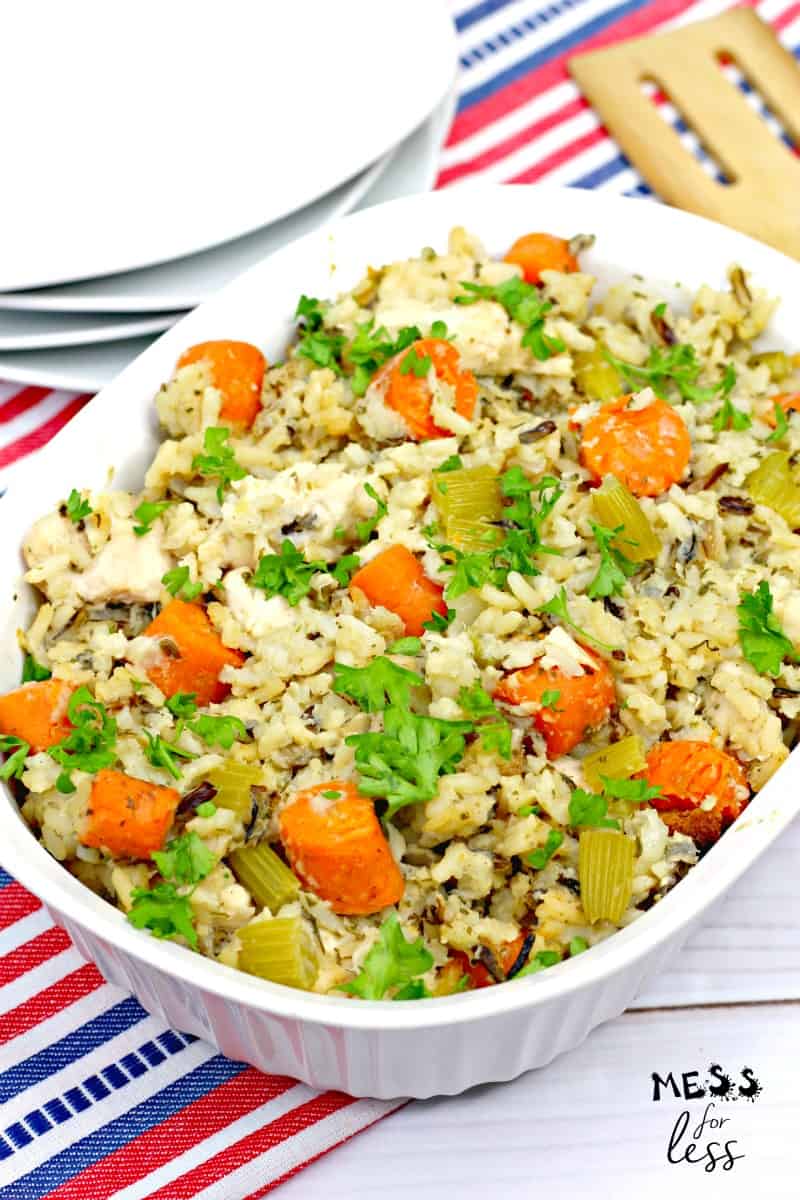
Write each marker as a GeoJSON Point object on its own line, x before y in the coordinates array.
{"type": "Point", "coordinates": [97, 1099]}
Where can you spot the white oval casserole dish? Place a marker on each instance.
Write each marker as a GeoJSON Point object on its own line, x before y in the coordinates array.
{"type": "Point", "coordinates": [379, 1049]}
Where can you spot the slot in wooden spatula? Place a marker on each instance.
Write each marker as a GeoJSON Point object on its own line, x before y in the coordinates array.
{"type": "Point", "coordinates": [762, 196]}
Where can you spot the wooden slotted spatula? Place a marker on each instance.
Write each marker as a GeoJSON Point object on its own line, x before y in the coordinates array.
{"type": "Point", "coordinates": [762, 197]}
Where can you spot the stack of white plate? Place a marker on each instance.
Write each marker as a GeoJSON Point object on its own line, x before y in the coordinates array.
{"type": "Point", "coordinates": [160, 150]}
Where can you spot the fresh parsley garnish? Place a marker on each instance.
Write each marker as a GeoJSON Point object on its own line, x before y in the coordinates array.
{"type": "Point", "coordinates": [557, 607]}
{"type": "Point", "coordinates": [182, 705]}
{"type": "Point", "coordinates": [163, 911]}
{"type": "Point", "coordinates": [78, 509]}
{"type": "Point", "coordinates": [615, 568]}
{"type": "Point", "coordinates": [377, 685]}
{"type": "Point", "coordinates": [34, 672]}
{"type": "Point", "coordinates": [677, 367]}
{"type": "Point", "coordinates": [365, 529]}
{"type": "Point", "coordinates": [406, 645]}
{"type": "Point", "coordinates": [591, 808]}
{"type": "Point", "coordinates": [148, 512]}
{"type": "Point", "coordinates": [524, 304]}
{"type": "Point", "coordinates": [344, 568]}
{"type": "Point", "coordinates": [550, 699]}
{"type": "Point", "coordinates": [218, 731]}
{"type": "Point", "coordinates": [577, 946]}
{"type": "Point", "coordinates": [287, 574]}
{"type": "Point", "coordinates": [781, 424]}
{"type": "Point", "coordinates": [540, 962]}
{"type": "Point", "coordinates": [17, 751]}
{"type": "Point", "coordinates": [453, 463]}
{"type": "Point", "coordinates": [206, 809]}
{"type": "Point", "coordinates": [402, 764]}
{"type": "Point", "coordinates": [309, 311]}
{"type": "Point", "coordinates": [439, 330]}
{"type": "Point", "coordinates": [392, 964]}
{"type": "Point", "coordinates": [764, 643]}
{"type": "Point", "coordinates": [495, 734]}
{"type": "Point", "coordinates": [728, 416]}
{"type": "Point", "coordinates": [541, 857]}
{"type": "Point", "coordinates": [178, 583]}
{"type": "Point", "coordinates": [164, 754]}
{"type": "Point", "coordinates": [185, 861]}
{"type": "Point", "coordinates": [218, 460]}
{"type": "Point", "coordinates": [91, 744]}
{"type": "Point", "coordinates": [439, 622]}
{"type": "Point", "coordinates": [413, 364]}
{"type": "Point", "coordinates": [371, 348]}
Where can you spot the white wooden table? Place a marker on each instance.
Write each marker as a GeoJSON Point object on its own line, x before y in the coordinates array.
{"type": "Point", "coordinates": [587, 1125]}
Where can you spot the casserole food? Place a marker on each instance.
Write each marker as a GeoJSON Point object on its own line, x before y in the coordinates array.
{"type": "Point", "coordinates": [505, 684]}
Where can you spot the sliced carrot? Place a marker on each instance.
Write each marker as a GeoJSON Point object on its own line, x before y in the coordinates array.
{"type": "Point", "coordinates": [478, 974]}
{"type": "Point", "coordinates": [583, 704]}
{"type": "Point", "coordinates": [410, 395]}
{"type": "Point", "coordinates": [128, 817]}
{"type": "Point", "coordinates": [335, 844]}
{"type": "Point", "coordinates": [395, 580]}
{"type": "Point", "coordinates": [537, 252]}
{"type": "Point", "coordinates": [193, 653]}
{"type": "Point", "coordinates": [688, 773]}
{"type": "Point", "coordinates": [37, 713]}
{"type": "Point", "coordinates": [647, 449]}
{"type": "Point", "coordinates": [789, 402]}
{"type": "Point", "coordinates": [237, 370]}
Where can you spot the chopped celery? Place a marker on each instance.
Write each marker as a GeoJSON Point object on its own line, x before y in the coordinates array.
{"type": "Point", "coordinates": [597, 377]}
{"type": "Point", "coordinates": [614, 505]}
{"type": "Point", "coordinates": [772, 484]}
{"type": "Point", "coordinates": [279, 950]}
{"type": "Point", "coordinates": [605, 872]}
{"type": "Point", "coordinates": [266, 877]}
{"type": "Point", "coordinates": [620, 760]}
{"type": "Point", "coordinates": [779, 365]}
{"type": "Point", "coordinates": [469, 500]}
{"type": "Point", "coordinates": [233, 781]}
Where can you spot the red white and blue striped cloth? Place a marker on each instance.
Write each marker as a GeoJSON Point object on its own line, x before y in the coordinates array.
{"type": "Point", "coordinates": [97, 1099]}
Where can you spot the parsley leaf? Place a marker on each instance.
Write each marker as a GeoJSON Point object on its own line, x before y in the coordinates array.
{"type": "Point", "coordinates": [182, 705]}
{"type": "Point", "coordinates": [477, 702]}
{"type": "Point", "coordinates": [495, 734]}
{"type": "Point", "coordinates": [78, 508]}
{"type": "Point", "coordinates": [206, 809]}
{"type": "Point", "coordinates": [344, 568]}
{"type": "Point", "coordinates": [287, 574]}
{"type": "Point", "coordinates": [322, 349]}
{"type": "Point", "coordinates": [413, 364]}
{"type": "Point", "coordinates": [148, 512]}
{"type": "Point", "coordinates": [550, 698]}
{"type": "Point", "coordinates": [365, 529]}
{"type": "Point", "coordinates": [728, 416]}
{"type": "Point", "coordinates": [587, 808]}
{"type": "Point", "coordinates": [218, 461]}
{"type": "Point", "coordinates": [377, 685]}
{"type": "Point", "coordinates": [163, 911]}
{"type": "Point", "coordinates": [540, 962]}
{"type": "Point", "coordinates": [219, 731]}
{"type": "Point", "coordinates": [763, 642]}
{"type": "Point", "coordinates": [17, 751]}
{"type": "Point", "coordinates": [541, 857]}
{"type": "Point", "coordinates": [177, 583]}
{"type": "Point", "coordinates": [91, 744]}
{"type": "Point", "coordinates": [635, 791]}
{"type": "Point", "coordinates": [440, 621]}
{"type": "Point", "coordinates": [415, 990]}
{"type": "Point", "coordinates": [615, 568]}
{"type": "Point", "coordinates": [371, 348]}
{"type": "Point", "coordinates": [309, 310]}
{"type": "Point", "coordinates": [577, 946]}
{"type": "Point", "coordinates": [453, 463]}
{"type": "Point", "coordinates": [186, 860]}
{"type": "Point", "coordinates": [403, 763]}
{"type": "Point", "coordinates": [392, 962]}
{"type": "Point", "coordinates": [781, 424]}
{"type": "Point", "coordinates": [524, 303]}
{"type": "Point", "coordinates": [34, 672]}
{"type": "Point", "coordinates": [406, 645]}
{"type": "Point", "coordinates": [557, 607]}
{"type": "Point", "coordinates": [676, 365]}
{"type": "Point", "coordinates": [163, 754]}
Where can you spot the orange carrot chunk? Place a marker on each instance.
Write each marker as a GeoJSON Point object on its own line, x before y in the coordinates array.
{"type": "Point", "coordinates": [537, 252]}
{"type": "Point", "coordinates": [395, 580]}
{"type": "Point", "coordinates": [788, 401]}
{"type": "Point", "coordinates": [128, 817]}
{"type": "Point", "coordinates": [646, 448]}
{"type": "Point", "coordinates": [410, 395]}
{"type": "Point", "coordinates": [193, 653]}
{"type": "Point", "coordinates": [335, 844]}
{"type": "Point", "coordinates": [688, 773]}
{"type": "Point", "coordinates": [37, 713]}
{"type": "Point", "coordinates": [237, 370]}
{"type": "Point", "coordinates": [583, 703]}
{"type": "Point", "coordinates": [479, 975]}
